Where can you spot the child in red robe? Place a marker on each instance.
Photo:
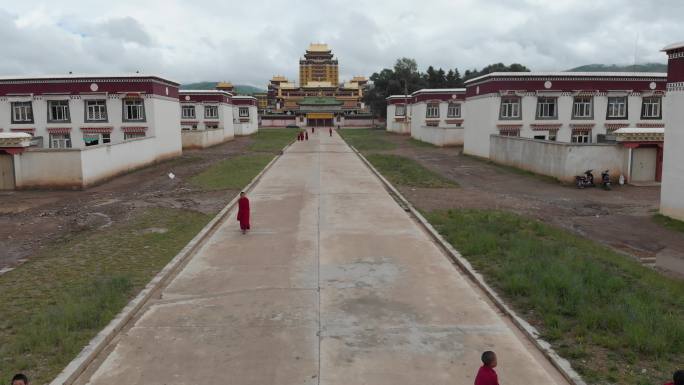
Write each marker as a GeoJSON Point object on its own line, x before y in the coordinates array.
{"type": "Point", "coordinates": [486, 375]}
{"type": "Point", "coordinates": [243, 212]}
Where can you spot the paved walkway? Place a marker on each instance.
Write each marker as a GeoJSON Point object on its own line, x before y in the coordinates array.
{"type": "Point", "coordinates": [336, 284]}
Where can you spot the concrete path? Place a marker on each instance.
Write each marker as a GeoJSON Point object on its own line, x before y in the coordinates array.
{"type": "Point", "coordinates": [335, 285]}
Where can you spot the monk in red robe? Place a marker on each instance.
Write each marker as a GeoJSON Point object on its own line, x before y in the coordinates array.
{"type": "Point", "coordinates": [331, 132]}
{"type": "Point", "coordinates": [486, 375]}
{"type": "Point", "coordinates": [306, 135]}
{"type": "Point", "coordinates": [313, 130]}
{"type": "Point", "coordinates": [243, 212]}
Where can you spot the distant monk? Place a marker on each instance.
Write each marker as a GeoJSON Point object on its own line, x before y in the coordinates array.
{"type": "Point", "coordinates": [306, 135]}
{"type": "Point", "coordinates": [313, 129]}
{"type": "Point", "coordinates": [486, 375]}
{"type": "Point", "coordinates": [243, 212]}
{"type": "Point", "coordinates": [331, 132]}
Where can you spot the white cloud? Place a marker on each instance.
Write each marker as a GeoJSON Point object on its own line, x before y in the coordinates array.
{"type": "Point", "coordinates": [248, 42]}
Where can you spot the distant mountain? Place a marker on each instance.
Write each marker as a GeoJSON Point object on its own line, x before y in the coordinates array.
{"type": "Point", "coordinates": [648, 67]}
{"type": "Point", "coordinates": [239, 88]}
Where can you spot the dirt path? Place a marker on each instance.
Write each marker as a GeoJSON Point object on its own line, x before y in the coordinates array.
{"type": "Point", "coordinates": [621, 218]}
{"type": "Point", "coordinates": [30, 220]}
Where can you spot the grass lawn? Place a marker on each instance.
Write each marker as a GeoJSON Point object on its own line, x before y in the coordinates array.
{"type": "Point", "coordinates": [52, 305]}
{"type": "Point", "coordinates": [367, 139]}
{"type": "Point", "coordinates": [615, 320]}
{"type": "Point", "coordinates": [233, 173]}
{"type": "Point", "coordinates": [405, 171]}
{"type": "Point", "coordinates": [670, 223]}
{"type": "Point", "coordinates": [272, 139]}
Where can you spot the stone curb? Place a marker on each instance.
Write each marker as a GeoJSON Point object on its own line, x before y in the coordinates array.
{"type": "Point", "coordinates": [79, 364]}
{"type": "Point", "coordinates": [528, 330]}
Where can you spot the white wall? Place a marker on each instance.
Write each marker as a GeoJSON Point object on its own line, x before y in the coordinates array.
{"type": "Point", "coordinates": [559, 160]}
{"type": "Point", "coordinates": [43, 168]}
{"type": "Point", "coordinates": [202, 138]}
{"type": "Point", "coordinates": [481, 124]}
{"type": "Point", "coordinates": [672, 188]}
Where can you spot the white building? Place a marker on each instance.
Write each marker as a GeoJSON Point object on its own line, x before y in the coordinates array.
{"type": "Point", "coordinates": [399, 113]}
{"type": "Point", "coordinates": [672, 191]}
{"type": "Point", "coordinates": [572, 107]}
{"type": "Point", "coordinates": [245, 115]}
{"type": "Point", "coordinates": [430, 115]}
{"type": "Point", "coordinates": [206, 117]}
{"type": "Point", "coordinates": [86, 128]}
{"type": "Point", "coordinates": [437, 116]}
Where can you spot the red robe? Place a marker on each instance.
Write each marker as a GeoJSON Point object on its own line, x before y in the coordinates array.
{"type": "Point", "coordinates": [330, 131]}
{"type": "Point", "coordinates": [313, 129]}
{"type": "Point", "coordinates": [243, 213]}
{"type": "Point", "coordinates": [306, 135]}
{"type": "Point", "coordinates": [486, 376]}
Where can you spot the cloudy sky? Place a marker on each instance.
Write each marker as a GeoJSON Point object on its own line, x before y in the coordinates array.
{"type": "Point", "coordinates": [247, 42]}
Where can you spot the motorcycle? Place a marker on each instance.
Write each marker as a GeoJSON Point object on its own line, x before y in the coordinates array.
{"type": "Point", "coordinates": [605, 180]}
{"type": "Point", "coordinates": [586, 180]}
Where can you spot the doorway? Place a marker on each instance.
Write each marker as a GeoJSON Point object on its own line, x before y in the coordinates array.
{"type": "Point", "coordinates": [6, 172]}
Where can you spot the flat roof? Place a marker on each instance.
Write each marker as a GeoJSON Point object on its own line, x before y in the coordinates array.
{"type": "Point", "coordinates": [571, 75]}
{"type": "Point", "coordinates": [673, 46]}
{"type": "Point", "coordinates": [398, 97]}
{"type": "Point", "coordinates": [89, 77]}
{"type": "Point", "coordinates": [182, 91]}
{"type": "Point", "coordinates": [243, 97]}
{"type": "Point", "coordinates": [438, 90]}
{"type": "Point", "coordinates": [640, 130]}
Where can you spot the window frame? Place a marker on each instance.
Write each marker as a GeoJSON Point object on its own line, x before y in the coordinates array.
{"type": "Point", "coordinates": [240, 114]}
{"type": "Point", "coordinates": [101, 138]}
{"type": "Point", "coordinates": [452, 105]}
{"type": "Point", "coordinates": [403, 110]}
{"type": "Point", "coordinates": [188, 107]}
{"type": "Point", "coordinates": [626, 108]}
{"type": "Point", "coordinates": [539, 104]}
{"type": "Point", "coordinates": [581, 134]}
{"type": "Point", "coordinates": [211, 107]}
{"type": "Point", "coordinates": [510, 101]}
{"type": "Point", "coordinates": [65, 110]}
{"type": "Point", "coordinates": [86, 112]}
{"type": "Point", "coordinates": [124, 110]}
{"type": "Point", "coordinates": [590, 105]}
{"type": "Point", "coordinates": [660, 107]}
{"type": "Point", "coordinates": [66, 140]}
{"type": "Point", "coordinates": [28, 112]}
{"type": "Point", "coordinates": [134, 135]}
{"type": "Point", "coordinates": [432, 107]}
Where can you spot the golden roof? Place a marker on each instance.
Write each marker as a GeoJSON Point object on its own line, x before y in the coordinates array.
{"type": "Point", "coordinates": [224, 85]}
{"type": "Point", "coordinates": [279, 78]}
{"type": "Point", "coordinates": [318, 47]}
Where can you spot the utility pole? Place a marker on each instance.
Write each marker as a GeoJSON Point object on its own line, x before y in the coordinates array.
{"type": "Point", "coordinates": [407, 128]}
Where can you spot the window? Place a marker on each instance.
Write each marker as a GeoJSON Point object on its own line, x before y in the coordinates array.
{"type": "Point", "coordinates": [133, 135]}
{"type": "Point", "coordinates": [540, 137]}
{"type": "Point", "coordinates": [617, 107]}
{"type": "Point", "coordinates": [22, 112]}
{"type": "Point", "coordinates": [212, 126]}
{"type": "Point", "coordinates": [583, 136]}
{"type": "Point", "coordinates": [60, 140]}
{"type": "Point", "coordinates": [133, 110]}
{"type": "Point", "coordinates": [243, 112]}
{"type": "Point", "coordinates": [58, 110]}
{"type": "Point", "coordinates": [94, 138]}
{"type": "Point", "coordinates": [454, 110]}
{"type": "Point", "coordinates": [188, 112]}
{"type": "Point", "coordinates": [553, 135]}
{"type": "Point", "coordinates": [582, 107]}
{"type": "Point", "coordinates": [547, 108]}
{"type": "Point", "coordinates": [650, 108]}
{"type": "Point", "coordinates": [400, 110]}
{"type": "Point", "coordinates": [211, 112]}
{"type": "Point", "coordinates": [509, 133]}
{"type": "Point", "coordinates": [510, 108]}
{"type": "Point", "coordinates": [96, 110]}
{"type": "Point", "coordinates": [432, 110]}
